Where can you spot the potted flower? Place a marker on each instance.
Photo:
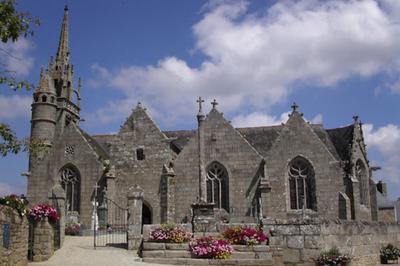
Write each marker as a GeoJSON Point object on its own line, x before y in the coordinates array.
{"type": "Point", "coordinates": [333, 257]}
{"type": "Point", "coordinates": [72, 228]}
{"type": "Point", "coordinates": [170, 233]}
{"type": "Point", "coordinates": [210, 248]}
{"type": "Point", "coordinates": [40, 211]}
{"type": "Point", "coordinates": [388, 253]}
{"type": "Point", "coordinates": [242, 235]}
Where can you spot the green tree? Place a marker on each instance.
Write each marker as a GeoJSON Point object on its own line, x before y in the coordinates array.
{"type": "Point", "coordinates": [13, 25]}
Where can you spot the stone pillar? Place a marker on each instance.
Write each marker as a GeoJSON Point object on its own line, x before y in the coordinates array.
{"type": "Point", "coordinates": [57, 200]}
{"type": "Point", "coordinates": [135, 203]}
{"type": "Point", "coordinates": [200, 142]}
{"type": "Point", "coordinates": [167, 198]}
{"type": "Point", "coordinates": [111, 193]}
{"type": "Point", "coordinates": [203, 218]}
{"type": "Point", "coordinates": [43, 244]}
{"type": "Point", "coordinates": [264, 188]}
{"type": "Point", "coordinates": [344, 207]}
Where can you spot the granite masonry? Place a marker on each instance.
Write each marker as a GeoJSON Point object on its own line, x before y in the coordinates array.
{"type": "Point", "coordinates": [13, 237]}
{"type": "Point", "coordinates": [291, 172]}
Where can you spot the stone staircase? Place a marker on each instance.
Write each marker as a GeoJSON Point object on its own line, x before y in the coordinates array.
{"type": "Point", "coordinates": [179, 254]}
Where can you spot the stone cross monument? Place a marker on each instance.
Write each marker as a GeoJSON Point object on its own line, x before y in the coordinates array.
{"type": "Point", "coordinates": [203, 212]}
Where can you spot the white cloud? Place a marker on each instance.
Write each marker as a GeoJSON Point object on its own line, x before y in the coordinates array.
{"type": "Point", "coordinates": [385, 140]}
{"type": "Point", "coordinates": [255, 59]}
{"type": "Point", "coordinates": [15, 59]}
{"type": "Point", "coordinates": [261, 119]}
{"type": "Point", "coordinates": [14, 106]}
{"type": "Point", "coordinates": [258, 119]}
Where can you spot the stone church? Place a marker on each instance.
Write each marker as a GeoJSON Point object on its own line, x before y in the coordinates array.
{"type": "Point", "coordinates": [283, 171]}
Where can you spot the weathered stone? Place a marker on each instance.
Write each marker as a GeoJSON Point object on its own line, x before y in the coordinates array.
{"type": "Point", "coordinates": [295, 242]}
{"type": "Point", "coordinates": [153, 246]}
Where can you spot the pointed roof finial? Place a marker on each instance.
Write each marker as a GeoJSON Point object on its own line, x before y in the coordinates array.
{"type": "Point", "coordinates": [214, 104]}
{"type": "Point", "coordinates": [63, 48]}
{"type": "Point", "coordinates": [41, 71]}
{"type": "Point", "coordinates": [139, 104]}
{"type": "Point", "coordinates": [355, 118]}
{"type": "Point", "coordinates": [294, 107]}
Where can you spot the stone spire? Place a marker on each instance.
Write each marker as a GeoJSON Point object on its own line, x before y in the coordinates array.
{"type": "Point", "coordinates": [63, 48]}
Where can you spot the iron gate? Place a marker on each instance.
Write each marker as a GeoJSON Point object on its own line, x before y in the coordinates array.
{"type": "Point", "coordinates": [111, 227]}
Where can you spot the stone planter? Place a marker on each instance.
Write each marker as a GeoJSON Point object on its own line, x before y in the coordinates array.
{"type": "Point", "coordinates": [43, 246]}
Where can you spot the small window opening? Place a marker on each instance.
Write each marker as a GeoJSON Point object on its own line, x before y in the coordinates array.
{"type": "Point", "coordinates": [140, 154]}
{"type": "Point", "coordinates": [68, 119]}
{"type": "Point", "coordinates": [44, 98]}
{"type": "Point", "coordinates": [36, 98]}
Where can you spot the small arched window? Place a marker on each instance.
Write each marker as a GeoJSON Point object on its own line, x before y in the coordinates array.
{"type": "Point", "coordinates": [302, 185]}
{"type": "Point", "coordinates": [70, 181]}
{"type": "Point", "coordinates": [44, 98]}
{"type": "Point", "coordinates": [361, 174]}
{"type": "Point", "coordinates": [35, 98]}
{"type": "Point", "coordinates": [218, 186]}
{"type": "Point", "coordinates": [140, 154]}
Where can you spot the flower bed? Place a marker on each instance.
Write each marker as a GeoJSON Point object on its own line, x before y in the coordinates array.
{"type": "Point", "coordinates": [389, 252]}
{"type": "Point", "coordinates": [170, 233]}
{"type": "Point", "coordinates": [72, 228]}
{"type": "Point", "coordinates": [41, 211]}
{"type": "Point", "coordinates": [208, 247]}
{"type": "Point", "coordinates": [15, 202]}
{"type": "Point", "coordinates": [333, 257]}
{"type": "Point", "coordinates": [242, 235]}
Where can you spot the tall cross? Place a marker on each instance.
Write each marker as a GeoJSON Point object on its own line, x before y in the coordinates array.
{"type": "Point", "coordinates": [214, 104]}
{"type": "Point", "coordinates": [200, 101]}
{"type": "Point", "coordinates": [294, 107]}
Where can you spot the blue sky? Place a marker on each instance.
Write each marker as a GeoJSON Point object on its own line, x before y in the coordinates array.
{"type": "Point", "coordinates": [335, 59]}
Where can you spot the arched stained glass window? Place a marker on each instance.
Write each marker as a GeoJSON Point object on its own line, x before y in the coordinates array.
{"type": "Point", "coordinates": [70, 181]}
{"type": "Point", "coordinates": [217, 186]}
{"type": "Point", "coordinates": [362, 177]}
{"type": "Point", "coordinates": [302, 185]}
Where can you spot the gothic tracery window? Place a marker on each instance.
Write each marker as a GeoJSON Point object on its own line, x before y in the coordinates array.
{"type": "Point", "coordinates": [302, 185]}
{"type": "Point", "coordinates": [362, 177]}
{"type": "Point", "coordinates": [70, 182]}
{"type": "Point", "coordinates": [217, 186]}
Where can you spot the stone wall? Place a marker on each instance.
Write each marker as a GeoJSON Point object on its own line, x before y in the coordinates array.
{"type": "Point", "coordinates": [14, 251]}
{"type": "Point", "coordinates": [387, 214]}
{"type": "Point", "coordinates": [43, 243]}
{"type": "Point", "coordinates": [304, 240]}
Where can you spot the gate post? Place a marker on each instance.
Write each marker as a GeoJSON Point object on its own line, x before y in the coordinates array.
{"type": "Point", "coordinates": [57, 200]}
{"type": "Point", "coordinates": [135, 201]}
{"type": "Point", "coordinates": [167, 197]}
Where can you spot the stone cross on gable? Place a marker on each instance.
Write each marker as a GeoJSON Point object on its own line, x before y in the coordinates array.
{"type": "Point", "coordinates": [294, 107]}
{"type": "Point", "coordinates": [214, 104]}
{"type": "Point", "coordinates": [355, 118]}
{"type": "Point", "coordinates": [200, 101]}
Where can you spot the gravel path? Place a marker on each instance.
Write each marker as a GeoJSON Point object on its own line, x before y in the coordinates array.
{"type": "Point", "coordinates": [79, 250]}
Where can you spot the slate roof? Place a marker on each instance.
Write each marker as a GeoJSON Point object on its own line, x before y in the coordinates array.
{"type": "Point", "coordinates": [100, 151]}
{"type": "Point", "coordinates": [181, 137]}
{"type": "Point", "coordinates": [326, 139]}
{"type": "Point", "coordinates": [261, 138]}
{"type": "Point", "coordinates": [342, 139]}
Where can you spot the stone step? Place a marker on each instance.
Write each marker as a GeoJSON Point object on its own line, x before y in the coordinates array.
{"type": "Point", "coordinates": [192, 261]}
